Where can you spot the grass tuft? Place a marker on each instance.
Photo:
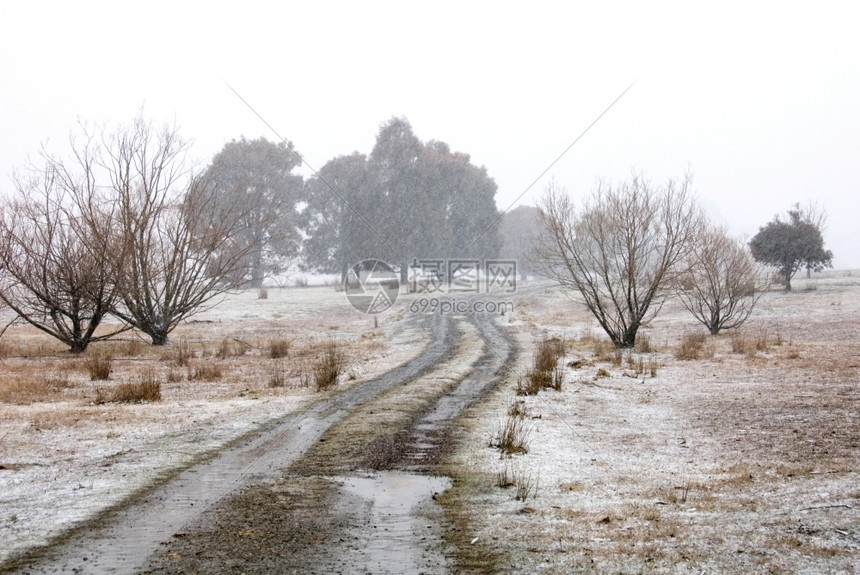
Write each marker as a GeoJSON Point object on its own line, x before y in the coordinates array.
{"type": "Point", "coordinates": [98, 366]}
{"type": "Point", "coordinates": [328, 366]}
{"type": "Point", "coordinates": [146, 389]}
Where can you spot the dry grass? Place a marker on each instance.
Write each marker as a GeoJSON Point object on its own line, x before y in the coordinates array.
{"type": "Point", "coordinates": [279, 348]}
{"type": "Point", "coordinates": [328, 366]}
{"type": "Point", "coordinates": [205, 371]}
{"type": "Point", "coordinates": [28, 388]}
{"type": "Point", "coordinates": [512, 436]}
{"type": "Point", "coordinates": [99, 366]}
{"type": "Point", "coordinates": [277, 376]}
{"type": "Point", "coordinates": [146, 389]}
{"type": "Point", "coordinates": [693, 346]}
{"type": "Point", "coordinates": [545, 372]}
{"type": "Point", "coordinates": [525, 482]}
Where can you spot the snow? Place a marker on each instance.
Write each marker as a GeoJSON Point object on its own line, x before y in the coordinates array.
{"type": "Point", "coordinates": [67, 459]}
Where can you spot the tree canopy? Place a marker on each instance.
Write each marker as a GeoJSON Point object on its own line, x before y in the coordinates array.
{"type": "Point", "coordinates": [407, 199]}
{"type": "Point", "coordinates": [259, 173]}
{"type": "Point", "coordinates": [792, 244]}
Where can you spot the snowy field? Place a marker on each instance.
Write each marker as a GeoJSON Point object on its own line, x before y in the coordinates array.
{"type": "Point", "coordinates": [64, 456]}
{"type": "Point", "coordinates": [743, 459]}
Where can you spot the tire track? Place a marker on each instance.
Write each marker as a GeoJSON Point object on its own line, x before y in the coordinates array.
{"type": "Point", "coordinates": [122, 540]}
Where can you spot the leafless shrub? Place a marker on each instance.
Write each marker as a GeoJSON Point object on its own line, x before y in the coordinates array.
{"type": "Point", "coordinates": [722, 282]}
{"type": "Point", "coordinates": [300, 281]}
{"type": "Point", "coordinates": [328, 366]}
{"type": "Point", "coordinates": [99, 366]}
{"type": "Point", "coordinates": [58, 275]}
{"type": "Point", "coordinates": [621, 251]}
{"type": "Point", "coordinates": [177, 244]}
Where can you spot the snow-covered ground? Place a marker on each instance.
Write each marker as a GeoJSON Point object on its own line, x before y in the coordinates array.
{"type": "Point", "coordinates": [730, 463]}
{"type": "Point", "coordinates": [733, 462]}
{"type": "Point", "coordinates": [64, 458]}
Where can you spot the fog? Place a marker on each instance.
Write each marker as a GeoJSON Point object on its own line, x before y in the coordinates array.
{"type": "Point", "coordinates": [759, 103]}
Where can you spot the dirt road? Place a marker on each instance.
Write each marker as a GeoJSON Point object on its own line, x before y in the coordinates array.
{"type": "Point", "coordinates": [318, 491]}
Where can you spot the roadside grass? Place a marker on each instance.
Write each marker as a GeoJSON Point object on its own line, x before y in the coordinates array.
{"type": "Point", "coordinates": [328, 365]}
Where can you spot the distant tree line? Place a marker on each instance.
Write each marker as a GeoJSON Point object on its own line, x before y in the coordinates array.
{"type": "Point", "coordinates": [407, 200]}
{"type": "Point", "coordinates": [125, 226]}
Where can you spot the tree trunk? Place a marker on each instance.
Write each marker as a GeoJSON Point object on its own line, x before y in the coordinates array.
{"type": "Point", "coordinates": [159, 338]}
{"type": "Point", "coordinates": [78, 346]}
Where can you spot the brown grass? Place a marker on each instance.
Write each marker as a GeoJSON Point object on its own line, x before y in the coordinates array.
{"type": "Point", "coordinates": [146, 389]}
{"type": "Point", "coordinates": [279, 348]}
{"type": "Point", "coordinates": [99, 366]}
{"type": "Point", "coordinates": [25, 389]}
{"type": "Point", "coordinates": [691, 347]}
{"type": "Point", "coordinates": [512, 436]}
{"type": "Point", "coordinates": [328, 366]}
{"type": "Point", "coordinates": [205, 371]}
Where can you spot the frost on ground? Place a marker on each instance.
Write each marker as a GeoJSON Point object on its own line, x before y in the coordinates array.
{"type": "Point", "coordinates": [66, 455]}
{"type": "Point", "coordinates": [742, 458]}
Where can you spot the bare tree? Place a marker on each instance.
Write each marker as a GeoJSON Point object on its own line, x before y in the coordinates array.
{"type": "Point", "coordinates": [176, 247]}
{"type": "Point", "coordinates": [815, 214]}
{"type": "Point", "coordinates": [722, 282]}
{"type": "Point", "coordinates": [56, 277]}
{"type": "Point", "coordinates": [622, 251]}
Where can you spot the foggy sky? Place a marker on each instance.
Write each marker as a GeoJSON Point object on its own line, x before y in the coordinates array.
{"type": "Point", "coordinates": [761, 103]}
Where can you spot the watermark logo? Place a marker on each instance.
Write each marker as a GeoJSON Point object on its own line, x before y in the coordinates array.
{"type": "Point", "coordinates": [462, 276]}
{"type": "Point", "coordinates": [372, 286]}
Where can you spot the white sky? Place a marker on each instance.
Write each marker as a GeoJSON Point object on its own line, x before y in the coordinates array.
{"type": "Point", "coordinates": [761, 101]}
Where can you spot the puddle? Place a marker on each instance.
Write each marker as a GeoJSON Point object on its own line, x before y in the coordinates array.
{"type": "Point", "coordinates": [404, 535]}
